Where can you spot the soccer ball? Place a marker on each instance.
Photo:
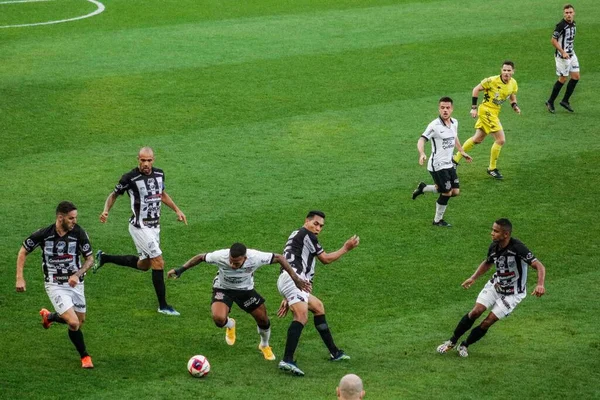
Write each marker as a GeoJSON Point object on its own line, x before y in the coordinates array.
{"type": "Point", "coordinates": [198, 366]}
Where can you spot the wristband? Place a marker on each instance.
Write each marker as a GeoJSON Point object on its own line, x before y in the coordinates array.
{"type": "Point", "coordinates": [179, 271]}
{"type": "Point", "coordinates": [474, 101]}
{"type": "Point", "coordinates": [513, 105]}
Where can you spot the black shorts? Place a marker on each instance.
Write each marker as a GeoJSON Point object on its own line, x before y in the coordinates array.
{"type": "Point", "coordinates": [445, 179]}
{"type": "Point", "coordinates": [247, 300]}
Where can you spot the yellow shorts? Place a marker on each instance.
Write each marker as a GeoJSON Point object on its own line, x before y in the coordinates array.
{"type": "Point", "coordinates": [488, 121]}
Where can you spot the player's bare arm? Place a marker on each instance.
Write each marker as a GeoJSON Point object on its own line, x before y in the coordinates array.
{"type": "Point", "coordinates": [87, 264]}
{"type": "Point", "coordinates": [166, 199]}
{"type": "Point", "coordinates": [481, 269]}
{"type": "Point", "coordinates": [350, 244]}
{"type": "Point", "coordinates": [191, 263]}
{"type": "Point", "coordinates": [299, 282]}
{"type": "Point", "coordinates": [513, 103]}
{"type": "Point", "coordinates": [21, 285]}
{"type": "Point", "coordinates": [421, 149]}
{"type": "Point", "coordinates": [461, 150]}
{"type": "Point", "coordinates": [110, 201]}
{"type": "Point", "coordinates": [562, 52]}
{"type": "Point", "coordinates": [539, 290]}
{"type": "Point", "coordinates": [475, 96]}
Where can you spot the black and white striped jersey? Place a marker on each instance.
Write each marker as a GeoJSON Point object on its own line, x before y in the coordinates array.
{"type": "Point", "coordinates": [145, 194]}
{"type": "Point", "coordinates": [300, 251]}
{"type": "Point", "coordinates": [60, 254]}
{"type": "Point", "coordinates": [564, 33]}
{"type": "Point", "coordinates": [442, 139]}
{"type": "Point", "coordinates": [511, 266]}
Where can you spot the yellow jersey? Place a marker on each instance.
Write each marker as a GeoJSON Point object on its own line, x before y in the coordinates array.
{"type": "Point", "coordinates": [497, 92]}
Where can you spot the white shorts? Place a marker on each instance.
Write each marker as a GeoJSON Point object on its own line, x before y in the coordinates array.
{"type": "Point", "coordinates": [565, 67]}
{"type": "Point", "coordinates": [147, 241]}
{"type": "Point", "coordinates": [288, 289]}
{"type": "Point", "coordinates": [64, 297]}
{"type": "Point", "coordinates": [501, 305]}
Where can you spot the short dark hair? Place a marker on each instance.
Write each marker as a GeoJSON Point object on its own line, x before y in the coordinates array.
{"type": "Point", "coordinates": [312, 213]}
{"type": "Point", "coordinates": [508, 62]}
{"type": "Point", "coordinates": [446, 99]}
{"type": "Point", "coordinates": [568, 5]}
{"type": "Point", "coordinates": [65, 207]}
{"type": "Point", "coordinates": [505, 224]}
{"type": "Point", "coordinates": [237, 250]}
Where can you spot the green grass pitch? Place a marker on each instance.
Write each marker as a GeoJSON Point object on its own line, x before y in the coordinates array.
{"type": "Point", "coordinates": [259, 110]}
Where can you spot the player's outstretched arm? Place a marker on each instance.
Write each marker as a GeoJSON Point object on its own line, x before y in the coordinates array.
{"type": "Point", "coordinates": [327, 258]}
{"type": "Point", "coordinates": [299, 282]}
{"type": "Point", "coordinates": [539, 290]}
{"type": "Point", "coordinates": [191, 263]}
{"type": "Point", "coordinates": [166, 199]}
{"type": "Point", "coordinates": [110, 201]}
{"type": "Point", "coordinates": [481, 269]}
{"type": "Point", "coordinates": [20, 285]}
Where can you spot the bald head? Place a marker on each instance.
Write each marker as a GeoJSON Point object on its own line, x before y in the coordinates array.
{"type": "Point", "coordinates": [145, 160]}
{"type": "Point", "coordinates": [350, 388]}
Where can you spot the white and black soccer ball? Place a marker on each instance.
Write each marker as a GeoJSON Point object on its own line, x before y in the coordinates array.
{"type": "Point", "coordinates": [198, 366]}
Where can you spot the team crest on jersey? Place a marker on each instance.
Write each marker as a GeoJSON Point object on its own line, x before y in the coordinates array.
{"type": "Point", "coordinates": [30, 243]}
{"type": "Point", "coordinates": [501, 262]}
{"type": "Point", "coordinates": [151, 184]}
{"type": "Point", "coordinates": [60, 248]}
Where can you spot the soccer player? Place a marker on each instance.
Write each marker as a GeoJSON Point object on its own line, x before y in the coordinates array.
{"type": "Point", "coordinates": [301, 250]}
{"type": "Point", "coordinates": [563, 40]}
{"type": "Point", "coordinates": [62, 244]}
{"type": "Point", "coordinates": [503, 292]}
{"type": "Point", "coordinates": [235, 283]}
{"type": "Point", "coordinates": [497, 89]}
{"type": "Point", "coordinates": [145, 186]}
{"type": "Point", "coordinates": [350, 388]}
{"type": "Point", "coordinates": [443, 133]}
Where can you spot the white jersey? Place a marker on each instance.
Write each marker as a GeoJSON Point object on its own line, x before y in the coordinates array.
{"type": "Point", "coordinates": [241, 278]}
{"type": "Point", "coordinates": [442, 140]}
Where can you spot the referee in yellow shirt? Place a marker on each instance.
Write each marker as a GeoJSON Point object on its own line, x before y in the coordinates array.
{"type": "Point", "coordinates": [497, 89]}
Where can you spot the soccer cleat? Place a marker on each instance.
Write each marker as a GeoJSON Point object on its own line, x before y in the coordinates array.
{"type": "Point", "coordinates": [550, 107]}
{"type": "Point", "coordinates": [290, 366]}
{"type": "Point", "coordinates": [566, 105]}
{"type": "Point", "coordinates": [445, 347]}
{"type": "Point", "coordinates": [267, 352]}
{"type": "Point", "coordinates": [168, 310]}
{"type": "Point", "coordinates": [443, 223]}
{"type": "Point", "coordinates": [419, 190]}
{"type": "Point", "coordinates": [462, 350]}
{"type": "Point", "coordinates": [339, 356]}
{"type": "Point", "coordinates": [45, 323]}
{"type": "Point", "coordinates": [230, 334]}
{"type": "Point", "coordinates": [86, 362]}
{"type": "Point", "coordinates": [494, 173]}
{"type": "Point", "coordinates": [98, 261]}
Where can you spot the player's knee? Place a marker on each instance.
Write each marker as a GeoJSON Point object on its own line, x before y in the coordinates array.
{"type": "Point", "coordinates": [500, 142]}
{"type": "Point", "coordinates": [219, 321]}
{"type": "Point", "coordinates": [73, 325]}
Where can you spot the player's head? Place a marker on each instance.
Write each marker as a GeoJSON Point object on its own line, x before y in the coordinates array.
{"type": "Point", "coordinates": [501, 230]}
{"type": "Point", "coordinates": [237, 255]}
{"type": "Point", "coordinates": [568, 12]}
{"type": "Point", "coordinates": [508, 69]}
{"type": "Point", "coordinates": [314, 222]}
{"type": "Point", "coordinates": [445, 107]}
{"type": "Point", "coordinates": [350, 388]}
{"type": "Point", "coordinates": [145, 160]}
{"type": "Point", "coordinates": [66, 215]}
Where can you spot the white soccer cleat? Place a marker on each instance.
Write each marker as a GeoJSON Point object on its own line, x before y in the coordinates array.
{"type": "Point", "coordinates": [445, 347]}
{"type": "Point", "coordinates": [463, 351]}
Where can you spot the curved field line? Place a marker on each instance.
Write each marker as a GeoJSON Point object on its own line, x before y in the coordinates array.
{"type": "Point", "coordinates": [99, 9]}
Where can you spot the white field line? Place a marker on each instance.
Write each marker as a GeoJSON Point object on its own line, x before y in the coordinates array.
{"type": "Point", "coordinates": [21, 1]}
{"type": "Point", "coordinates": [100, 8]}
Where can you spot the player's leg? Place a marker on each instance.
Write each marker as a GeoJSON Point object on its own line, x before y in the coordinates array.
{"type": "Point", "coordinates": [220, 307]}
{"type": "Point", "coordinates": [444, 181]}
{"type": "Point", "coordinates": [315, 305]}
{"type": "Point", "coordinates": [562, 70]}
{"type": "Point", "coordinates": [423, 188]}
{"type": "Point", "coordinates": [297, 302]}
{"type": "Point", "coordinates": [499, 140]}
{"type": "Point", "coordinates": [574, 74]}
{"type": "Point", "coordinates": [147, 245]}
{"type": "Point", "coordinates": [157, 264]}
{"type": "Point", "coordinates": [263, 326]}
{"type": "Point", "coordinates": [470, 143]}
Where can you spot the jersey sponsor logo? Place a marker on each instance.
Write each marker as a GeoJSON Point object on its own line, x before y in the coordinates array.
{"type": "Point", "coordinates": [448, 143]}
{"type": "Point", "coordinates": [233, 279]}
{"type": "Point", "coordinates": [86, 247]}
{"type": "Point", "coordinates": [250, 301]}
{"type": "Point", "coordinates": [60, 259]}
{"type": "Point", "coordinates": [29, 243]}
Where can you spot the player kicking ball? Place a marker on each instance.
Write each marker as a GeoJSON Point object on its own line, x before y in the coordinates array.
{"type": "Point", "coordinates": [234, 283]}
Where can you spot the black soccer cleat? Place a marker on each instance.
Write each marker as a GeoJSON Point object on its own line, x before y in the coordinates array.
{"type": "Point", "coordinates": [419, 190]}
{"type": "Point", "coordinates": [494, 173]}
{"type": "Point", "coordinates": [550, 107]}
{"type": "Point", "coordinates": [566, 106]}
{"type": "Point", "coordinates": [442, 223]}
